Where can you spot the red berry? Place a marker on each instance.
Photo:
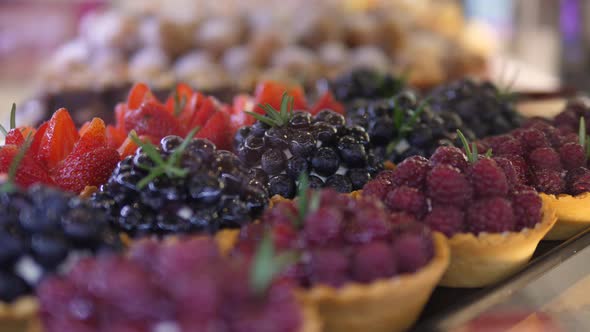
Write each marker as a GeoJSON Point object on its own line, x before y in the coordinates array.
{"type": "Point", "coordinates": [509, 171]}
{"type": "Point", "coordinates": [397, 218]}
{"type": "Point", "coordinates": [449, 155]}
{"type": "Point", "coordinates": [373, 261]}
{"type": "Point", "coordinates": [447, 185]}
{"type": "Point", "coordinates": [152, 119]}
{"type": "Point", "coordinates": [378, 188]}
{"type": "Point", "coordinates": [411, 172]}
{"type": "Point", "coordinates": [445, 219]}
{"type": "Point", "coordinates": [527, 209]}
{"type": "Point", "coordinates": [488, 178]}
{"type": "Point", "coordinates": [572, 155]}
{"type": "Point", "coordinates": [324, 226]}
{"type": "Point", "coordinates": [533, 138]}
{"type": "Point", "coordinates": [493, 215]}
{"type": "Point", "coordinates": [329, 266]}
{"type": "Point", "coordinates": [89, 169]}
{"type": "Point", "coordinates": [549, 182]}
{"type": "Point", "coordinates": [520, 166]}
{"type": "Point", "coordinates": [508, 147]}
{"type": "Point", "coordinates": [406, 199]}
{"type": "Point", "coordinates": [412, 251]}
{"type": "Point", "coordinates": [581, 185]}
{"type": "Point", "coordinates": [368, 224]}
{"type": "Point", "coordinates": [545, 159]}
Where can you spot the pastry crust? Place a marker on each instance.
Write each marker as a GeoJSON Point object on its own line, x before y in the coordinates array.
{"type": "Point", "coordinates": [384, 305]}
{"type": "Point", "coordinates": [20, 315]}
{"type": "Point", "coordinates": [573, 214]}
{"type": "Point", "coordinates": [487, 258]}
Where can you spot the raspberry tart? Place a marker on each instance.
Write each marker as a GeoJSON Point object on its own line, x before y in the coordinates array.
{"type": "Point", "coordinates": [493, 221]}
{"type": "Point", "coordinates": [555, 163]}
{"type": "Point", "coordinates": [365, 270]}
{"type": "Point", "coordinates": [209, 292]}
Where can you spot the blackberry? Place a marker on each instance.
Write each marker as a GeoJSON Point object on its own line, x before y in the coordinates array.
{"type": "Point", "coordinates": [403, 125]}
{"type": "Point", "coordinates": [480, 106]}
{"type": "Point", "coordinates": [181, 186]}
{"type": "Point", "coordinates": [284, 144]}
{"type": "Point", "coordinates": [41, 231]}
{"type": "Point", "coordinates": [365, 83]}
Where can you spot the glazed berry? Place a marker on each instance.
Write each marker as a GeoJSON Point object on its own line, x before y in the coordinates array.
{"type": "Point", "coordinates": [544, 159]}
{"type": "Point", "coordinates": [446, 219]}
{"type": "Point", "coordinates": [406, 199]}
{"type": "Point", "coordinates": [208, 291]}
{"type": "Point", "coordinates": [449, 155]}
{"type": "Point", "coordinates": [488, 178]}
{"type": "Point", "coordinates": [480, 106]}
{"type": "Point", "coordinates": [572, 155]}
{"type": "Point", "coordinates": [411, 172]}
{"type": "Point", "coordinates": [191, 188]}
{"type": "Point", "coordinates": [295, 142]}
{"type": "Point", "coordinates": [446, 185]}
{"type": "Point", "coordinates": [42, 231]}
{"type": "Point", "coordinates": [341, 239]}
{"type": "Point", "coordinates": [527, 208]}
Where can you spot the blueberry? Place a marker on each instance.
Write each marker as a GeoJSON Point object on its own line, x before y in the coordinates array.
{"type": "Point", "coordinates": [252, 149]}
{"type": "Point", "coordinates": [259, 128]}
{"type": "Point", "coordinates": [325, 161]}
{"type": "Point", "coordinates": [352, 152]}
{"type": "Point", "coordinates": [241, 136]}
{"type": "Point", "coordinates": [340, 183]}
{"type": "Point", "coordinates": [11, 247]}
{"type": "Point", "coordinates": [35, 220]}
{"type": "Point", "coordinates": [273, 161]}
{"type": "Point", "coordinates": [258, 174]}
{"type": "Point", "coordinates": [282, 185]}
{"type": "Point", "coordinates": [358, 177]}
{"type": "Point", "coordinates": [300, 120]}
{"type": "Point", "coordinates": [49, 250]}
{"type": "Point", "coordinates": [205, 189]}
{"type": "Point", "coordinates": [277, 137]}
{"type": "Point", "coordinates": [302, 144]}
{"type": "Point", "coordinates": [83, 224]}
{"type": "Point", "coordinates": [331, 118]}
{"type": "Point", "coordinates": [325, 133]}
{"type": "Point", "coordinates": [232, 212]}
{"type": "Point", "coordinates": [202, 148]}
{"type": "Point", "coordinates": [169, 143]}
{"type": "Point", "coordinates": [315, 182]}
{"type": "Point", "coordinates": [12, 287]}
{"type": "Point", "coordinates": [296, 166]}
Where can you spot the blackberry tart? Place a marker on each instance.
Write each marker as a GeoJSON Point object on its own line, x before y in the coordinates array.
{"type": "Point", "coordinates": [180, 186]}
{"type": "Point", "coordinates": [285, 143]}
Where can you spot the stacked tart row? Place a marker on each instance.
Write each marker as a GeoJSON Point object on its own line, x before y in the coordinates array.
{"type": "Point", "coordinates": [310, 214]}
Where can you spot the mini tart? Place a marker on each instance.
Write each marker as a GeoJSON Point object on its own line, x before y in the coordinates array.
{"type": "Point", "coordinates": [384, 305]}
{"type": "Point", "coordinates": [478, 261]}
{"type": "Point", "coordinates": [573, 214]}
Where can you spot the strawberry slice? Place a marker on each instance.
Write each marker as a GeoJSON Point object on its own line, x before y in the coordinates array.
{"type": "Point", "coordinates": [92, 136]}
{"type": "Point", "coordinates": [128, 147]}
{"type": "Point", "coordinates": [115, 137]}
{"type": "Point", "coordinates": [120, 111]}
{"type": "Point", "coordinates": [29, 171]}
{"type": "Point", "coordinates": [183, 91]}
{"type": "Point", "coordinates": [217, 130]}
{"type": "Point", "coordinates": [139, 94]}
{"type": "Point", "coordinates": [327, 101]}
{"type": "Point", "coordinates": [15, 137]}
{"type": "Point", "coordinates": [271, 92]}
{"type": "Point", "coordinates": [37, 140]}
{"type": "Point", "coordinates": [152, 119]}
{"type": "Point", "coordinates": [204, 112]}
{"type": "Point", "coordinates": [92, 168]}
{"type": "Point", "coordinates": [59, 139]}
{"type": "Point", "coordinates": [187, 116]}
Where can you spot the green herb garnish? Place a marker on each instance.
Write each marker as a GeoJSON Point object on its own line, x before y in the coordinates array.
{"type": "Point", "coordinates": [179, 103]}
{"type": "Point", "coordinates": [266, 265]}
{"type": "Point", "coordinates": [471, 152]}
{"type": "Point", "coordinates": [308, 201]}
{"type": "Point", "coordinates": [584, 137]}
{"type": "Point", "coordinates": [12, 120]}
{"type": "Point", "coordinates": [10, 184]}
{"type": "Point", "coordinates": [169, 167]}
{"type": "Point", "coordinates": [273, 117]}
{"type": "Point", "coordinates": [404, 126]}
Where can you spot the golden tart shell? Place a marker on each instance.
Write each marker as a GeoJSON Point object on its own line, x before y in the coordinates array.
{"type": "Point", "coordinates": [573, 214]}
{"type": "Point", "coordinates": [478, 261]}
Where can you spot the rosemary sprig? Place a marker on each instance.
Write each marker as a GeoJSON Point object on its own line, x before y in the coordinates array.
{"type": "Point", "coordinates": [471, 152]}
{"type": "Point", "coordinates": [273, 117]}
{"type": "Point", "coordinates": [266, 265]}
{"type": "Point", "coordinates": [179, 103]}
{"type": "Point", "coordinates": [308, 201]}
{"type": "Point", "coordinates": [404, 126]}
{"type": "Point", "coordinates": [12, 120]}
{"type": "Point", "coordinates": [584, 137]}
{"type": "Point", "coordinates": [170, 166]}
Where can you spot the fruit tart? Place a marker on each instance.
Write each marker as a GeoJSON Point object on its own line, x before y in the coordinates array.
{"type": "Point", "coordinates": [59, 155]}
{"type": "Point", "coordinates": [365, 270]}
{"type": "Point", "coordinates": [555, 163]}
{"type": "Point", "coordinates": [180, 186]}
{"type": "Point", "coordinates": [208, 293]}
{"type": "Point", "coordinates": [285, 142]}
{"type": "Point", "coordinates": [492, 220]}
{"type": "Point", "coordinates": [43, 232]}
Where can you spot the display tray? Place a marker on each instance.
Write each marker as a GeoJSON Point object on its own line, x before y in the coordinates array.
{"type": "Point", "coordinates": [543, 289]}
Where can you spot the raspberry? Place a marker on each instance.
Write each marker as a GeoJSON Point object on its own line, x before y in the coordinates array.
{"type": "Point", "coordinates": [581, 185]}
{"type": "Point", "coordinates": [373, 261]}
{"type": "Point", "coordinates": [533, 138]}
{"type": "Point", "coordinates": [323, 226]}
{"type": "Point", "coordinates": [494, 142]}
{"type": "Point", "coordinates": [493, 215]}
{"type": "Point", "coordinates": [488, 179]}
{"type": "Point", "coordinates": [377, 188]}
{"type": "Point", "coordinates": [566, 119]}
{"type": "Point", "coordinates": [574, 174]}
{"type": "Point", "coordinates": [328, 266]}
{"type": "Point", "coordinates": [387, 175]}
{"type": "Point", "coordinates": [411, 172]}
{"type": "Point", "coordinates": [412, 251]}
{"type": "Point", "coordinates": [510, 146]}
{"type": "Point", "coordinates": [367, 225]}
{"type": "Point", "coordinates": [527, 209]}
{"type": "Point", "coordinates": [509, 171]}
{"type": "Point", "coordinates": [549, 182]}
{"type": "Point", "coordinates": [445, 219]}
{"type": "Point", "coordinates": [406, 199]}
{"type": "Point", "coordinates": [545, 159]}
{"type": "Point", "coordinates": [447, 185]}
{"type": "Point", "coordinates": [449, 155]}
{"type": "Point", "coordinates": [398, 218]}
{"type": "Point", "coordinates": [520, 166]}
{"type": "Point", "coordinates": [572, 155]}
